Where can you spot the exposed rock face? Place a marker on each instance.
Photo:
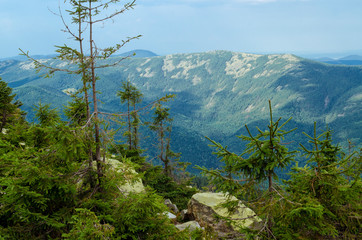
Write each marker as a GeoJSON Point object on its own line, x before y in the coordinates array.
{"type": "Point", "coordinates": [206, 206]}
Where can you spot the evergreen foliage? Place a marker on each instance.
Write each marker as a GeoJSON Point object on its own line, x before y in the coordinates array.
{"type": "Point", "coordinates": [165, 186]}
{"type": "Point", "coordinates": [162, 125]}
{"type": "Point", "coordinates": [76, 111]}
{"type": "Point", "coordinates": [132, 96]}
{"type": "Point", "coordinates": [142, 216]}
{"type": "Point", "coordinates": [327, 192]}
{"type": "Point", "coordinates": [38, 191]}
{"type": "Point", "coordinates": [9, 110]}
{"type": "Point", "coordinates": [57, 180]}
{"type": "Point", "coordinates": [320, 201]}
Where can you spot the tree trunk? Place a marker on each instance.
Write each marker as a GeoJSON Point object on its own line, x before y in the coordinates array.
{"type": "Point", "coordinates": [270, 179]}
{"type": "Point", "coordinates": [93, 77]}
{"type": "Point", "coordinates": [129, 127]}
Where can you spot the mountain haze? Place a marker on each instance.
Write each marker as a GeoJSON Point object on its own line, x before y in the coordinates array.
{"type": "Point", "coordinates": [348, 60]}
{"type": "Point", "coordinates": [217, 92]}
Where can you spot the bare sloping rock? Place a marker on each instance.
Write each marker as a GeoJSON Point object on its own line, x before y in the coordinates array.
{"type": "Point", "coordinates": [205, 207]}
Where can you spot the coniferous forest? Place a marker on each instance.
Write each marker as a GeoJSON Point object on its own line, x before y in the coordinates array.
{"type": "Point", "coordinates": [76, 174]}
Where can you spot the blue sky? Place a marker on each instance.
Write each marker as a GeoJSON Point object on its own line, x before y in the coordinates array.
{"type": "Point", "coordinates": [302, 27]}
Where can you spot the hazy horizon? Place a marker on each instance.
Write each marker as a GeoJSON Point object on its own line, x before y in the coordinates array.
{"type": "Point", "coordinates": [307, 28]}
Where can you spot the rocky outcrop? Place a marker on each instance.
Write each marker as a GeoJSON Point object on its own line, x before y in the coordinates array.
{"type": "Point", "coordinates": [207, 210]}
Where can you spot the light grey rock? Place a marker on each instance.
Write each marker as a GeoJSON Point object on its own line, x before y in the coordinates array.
{"type": "Point", "coordinates": [191, 225]}
{"type": "Point", "coordinates": [171, 215]}
{"type": "Point", "coordinates": [132, 181]}
{"type": "Point", "coordinates": [204, 207]}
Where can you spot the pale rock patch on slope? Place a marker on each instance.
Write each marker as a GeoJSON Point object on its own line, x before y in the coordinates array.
{"type": "Point", "coordinates": [355, 98]}
{"type": "Point", "coordinates": [249, 108]}
{"type": "Point", "coordinates": [278, 105]}
{"type": "Point", "coordinates": [188, 65]}
{"type": "Point", "coordinates": [147, 60]}
{"type": "Point", "coordinates": [211, 103]}
{"type": "Point", "coordinates": [271, 59]}
{"type": "Point", "coordinates": [279, 88]}
{"type": "Point", "coordinates": [177, 75]}
{"type": "Point", "coordinates": [69, 91]}
{"type": "Point", "coordinates": [168, 64]}
{"type": "Point", "coordinates": [326, 102]}
{"type": "Point", "coordinates": [31, 65]}
{"type": "Point", "coordinates": [251, 90]}
{"type": "Point", "coordinates": [265, 73]}
{"type": "Point", "coordinates": [310, 85]}
{"type": "Point", "coordinates": [239, 67]}
{"type": "Point", "coordinates": [333, 116]}
{"type": "Point", "coordinates": [288, 66]}
{"type": "Point", "coordinates": [146, 85]}
{"type": "Point", "coordinates": [196, 80]}
{"type": "Point", "coordinates": [171, 89]}
{"type": "Point", "coordinates": [184, 66]}
{"type": "Point", "coordinates": [293, 60]}
{"type": "Point", "coordinates": [212, 100]}
{"type": "Point", "coordinates": [289, 57]}
{"type": "Point", "coordinates": [147, 73]}
{"type": "Point", "coordinates": [62, 65]}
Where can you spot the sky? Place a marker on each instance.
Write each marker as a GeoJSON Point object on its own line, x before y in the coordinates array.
{"type": "Point", "coordinates": [302, 27]}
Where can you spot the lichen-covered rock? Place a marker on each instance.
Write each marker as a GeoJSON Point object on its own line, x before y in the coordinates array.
{"type": "Point", "coordinates": [171, 215]}
{"type": "Point", "coordinates": [191, 225]}
{"type": "Point", "coordinates": [131, 181]}
{"type": "Point", "coordinates": [128, 179]}
{"type": "Point", "coordinates": [206, 206]}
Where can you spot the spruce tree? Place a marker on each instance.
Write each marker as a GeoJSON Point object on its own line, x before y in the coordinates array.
{"type": "Point", "coordinates": [161, 125]}
{"type": "Point", "coordinates": [86, 14]}
{"type": "Point", "coordinates": [325, 193]}
{"type": "Point", "coordinates": [130, 95]}
{"type": "Point", "coordinates": [9, 109]}
{"type": "Point", "coordinates": [244, 175]}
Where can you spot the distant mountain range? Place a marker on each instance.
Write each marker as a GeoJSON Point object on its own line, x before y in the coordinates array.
{"type": "Point", "coordinates": [134, 53]}
{"type": "Point", "coordinates": [217, 93]}
{"type": "Point", "coordinates": [348, 60]}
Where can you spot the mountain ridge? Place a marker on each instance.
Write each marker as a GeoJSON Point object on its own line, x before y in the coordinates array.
{"type": "Point", "coordinates": [218, 92]}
